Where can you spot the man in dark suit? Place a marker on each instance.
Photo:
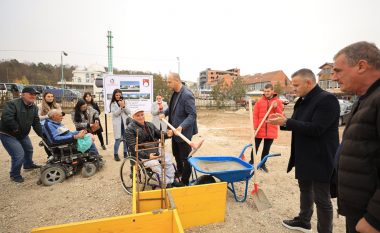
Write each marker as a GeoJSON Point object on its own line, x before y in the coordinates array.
{"type": "Point", "coordinates": [182, 115]}
{"type": "Point", "coordinates": [315, 138]}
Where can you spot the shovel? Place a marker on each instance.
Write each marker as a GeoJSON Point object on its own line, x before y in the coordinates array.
{"type": "Point", "coordinates": [194, 146]}
{"type": "Point", "coordinates": [259, 198]}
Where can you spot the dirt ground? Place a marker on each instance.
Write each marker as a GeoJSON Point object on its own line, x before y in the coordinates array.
{"type": "Point", "coordinates": [28, 205]}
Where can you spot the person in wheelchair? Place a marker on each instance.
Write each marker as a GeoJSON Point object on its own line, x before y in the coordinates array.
{"type": "Point", "coordinates": [57, 134]}
{"type": "Point", "coordinates": [147, 132]}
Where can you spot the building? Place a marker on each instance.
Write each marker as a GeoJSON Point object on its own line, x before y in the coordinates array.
{"type": "Point", "coordinates": [278, 79]}
{"type": "Point", "coordinates": [209, 78]}
{"type": "Point", "coordinates": [84, 78]}
{"type": "Point", "coordinates": [325, 78]}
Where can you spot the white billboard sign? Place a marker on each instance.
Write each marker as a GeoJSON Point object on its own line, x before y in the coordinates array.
{"type": "Point", "coordinates": [137, 90]}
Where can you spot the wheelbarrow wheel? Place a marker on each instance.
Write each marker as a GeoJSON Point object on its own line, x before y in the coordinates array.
{"type": "Point", "coordinates": [126, 175]}
{"type": "Point", "coordinates": [206, 179]}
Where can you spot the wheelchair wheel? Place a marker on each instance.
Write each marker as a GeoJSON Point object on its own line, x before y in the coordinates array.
{"type": "Point", "coordinates": [88, 169]}
{"type": "Point", "coordinates": [126, 174]}
{"type": "Point", "coordinates": [52, 175]}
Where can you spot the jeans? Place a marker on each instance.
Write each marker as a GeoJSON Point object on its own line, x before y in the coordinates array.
{"type": "Point", "coordinates": [181, 151]}
{"type": "Point", "coordinates": [21, 152]}
{"type": "Point", "coordinates": [118, 141]}
{"type": "Point", "coordinates": [319, 193]}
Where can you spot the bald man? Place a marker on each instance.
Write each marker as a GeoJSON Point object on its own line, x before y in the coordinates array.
{"type": "Point", "coordinates": [182, 115]}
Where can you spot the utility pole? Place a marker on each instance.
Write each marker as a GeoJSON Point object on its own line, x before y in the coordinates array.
{"type": "Point", "coordinates": [109, 46]}
{"type": "Point", "coordinates": [62, 79]}
{"type": "Point", "coordinates": [178, 65]}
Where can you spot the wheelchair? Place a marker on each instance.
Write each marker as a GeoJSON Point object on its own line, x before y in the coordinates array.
{"type": "Point", "coordinates": [146, 177]}
{"type": "Point", "coordinates": [65, 161]}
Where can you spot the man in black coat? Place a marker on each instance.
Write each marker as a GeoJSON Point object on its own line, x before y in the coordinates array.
{"type": "Point", "coordinates": [315, 138]}
{"type": "Point", "coordinates": [19, 116]}
{"type": "Point", "coordinates": [357, 70]}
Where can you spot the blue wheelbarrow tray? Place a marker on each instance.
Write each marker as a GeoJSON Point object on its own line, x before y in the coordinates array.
{"type": "Point", "coordinates": [230, 176]}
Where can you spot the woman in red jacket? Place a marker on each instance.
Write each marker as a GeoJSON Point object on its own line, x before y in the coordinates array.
{"type": "Point", "coordinates": [267, 132]}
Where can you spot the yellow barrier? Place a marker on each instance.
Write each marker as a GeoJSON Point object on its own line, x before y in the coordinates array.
{"type": "Point", "coordinates": [187, 207]}
{"type": "Point", "coordinates": [166, 221]}
{"type": "Point", "coordinates": [196, 205]}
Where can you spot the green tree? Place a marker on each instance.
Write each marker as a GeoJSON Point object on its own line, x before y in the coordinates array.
{"type": "Point", "coordinates": [160, 87]}
{"type": "Point", "coordinates": [278, 89]}
{"type": "Point", "coordinates": [219, 94]}
{"type": "Point", "coordinates": [237, 90]}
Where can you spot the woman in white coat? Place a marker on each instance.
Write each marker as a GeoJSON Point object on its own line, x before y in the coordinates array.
{"type": "Point", "coordinates": [158, 107]}
{"type": "Point", "coordinates": [120, 120]}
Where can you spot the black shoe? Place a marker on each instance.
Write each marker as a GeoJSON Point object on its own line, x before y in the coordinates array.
{"type": "Point", "coordinates": [250, 162]}
{"type": "Point", "coordinates": [297, 224]}
{"type": "Point", "coordinates": [116, 157]}
{"type": "Point", "coordinates": [177, 184]}
{"type": "Point", "coordinates": [264, 168]}
{"type": "Point", "coordinates": [125, 155]}
{"type": "Point", "coordinates": [104, 147]}
{"type": "Point", "coordinates": [18, 179]}
{"type": "Point", "coordinates": [31, 167]}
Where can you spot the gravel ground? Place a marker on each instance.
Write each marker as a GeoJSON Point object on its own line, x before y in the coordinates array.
{"type": "Point", "coordinates": [28, 205]}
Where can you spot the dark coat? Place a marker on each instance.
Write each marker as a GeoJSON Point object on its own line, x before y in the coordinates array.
{"type": "Point", "coordinates": [183, 113]}
{"type": "Point", "coordinates": [315, 138]}
{"type": "Point", "coordinates": [359, 160]}
{"type": "Point", "coordinates": [147, 133]}
{"type": "Point", "coordinates": [17, 119]}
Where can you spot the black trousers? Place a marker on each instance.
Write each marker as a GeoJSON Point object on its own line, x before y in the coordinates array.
{"type": "Point", "coordinates": [100, 136]}
{"type": "Point", "coordinates": [267, 144]}
{"type": "Point", "coordinates": [351, 224]}
{"type": "Point", "coordinates": [318, 193]}
{"type": "Point", "coordinates": [181, 151]}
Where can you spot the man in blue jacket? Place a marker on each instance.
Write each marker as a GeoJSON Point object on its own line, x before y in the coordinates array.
{"type": "Point", "coordinates": [182, 115]}
{"type": "Point", "coordinates": [19, 115]}
{"type": "Point", "coordinates": [315, 139]}
{"type": "Point", "coordinates": [56, 133]}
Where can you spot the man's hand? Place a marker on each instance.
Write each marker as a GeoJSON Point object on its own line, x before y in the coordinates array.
{"type": "Point", "coordinates": [364, 227]}
{"type": "Point", "coordinates": [161, 116]}
{"type": "Point", "coordinates": [170, 133]}
{"type": "Point", "coordinates": [178, 131]}
{"type": "Point", "coordinates": [276, 119]}
{"type": "Point", "coordinates": [153, 156]}
{"type": "Point", "coordinates": [80, 134]}
{"type": "Point", "coordinates": [274, 103]}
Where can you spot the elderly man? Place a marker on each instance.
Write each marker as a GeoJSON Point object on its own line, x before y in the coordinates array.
{"type": "Point", "coordinates": [56, 133]}
{"type": "Point", "coordinates": [19, 115]}
{"type": "Point", "coordinates": [147, 132]}
{"type": "Point", "coordinates": [182, 115]}
{"type": "Point", "coordinates": [357, 70]}
{"type": "Point", "coordinates": [315, 138]}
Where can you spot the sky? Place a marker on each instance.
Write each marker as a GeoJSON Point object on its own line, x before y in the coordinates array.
{"type": "Point", "coordinates": [149, 35]}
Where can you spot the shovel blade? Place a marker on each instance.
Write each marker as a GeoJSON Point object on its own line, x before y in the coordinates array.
{"type": "Point", "coordinates": [261, 201]}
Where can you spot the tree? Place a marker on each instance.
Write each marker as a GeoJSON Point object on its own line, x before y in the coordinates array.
{"type": "Point", "coordinates": [237, 90]}
{"type": "Point", "coordinates": [159, 87]}
{"type": "Point", "coordinates": [219, 94]}
{"type": "Point", "coordinates": [278, 89]}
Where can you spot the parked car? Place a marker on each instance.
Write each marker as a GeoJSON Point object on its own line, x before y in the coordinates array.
{"type": "Point", "coordinates": [3, 89]}
{"type": "Point", "coordinates": [284, 100]}
{"type": "Point", "coordinates": [13, 89]}
{"type": "Point", "coordinates": [68, 95]}
{"type": "Point", "coordinates": [345, 110]}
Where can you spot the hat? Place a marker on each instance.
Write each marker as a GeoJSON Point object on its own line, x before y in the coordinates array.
{"type": "Point", "coordinates": [136, 111]}
{"type": "Point", "coordinates": [30, 90]}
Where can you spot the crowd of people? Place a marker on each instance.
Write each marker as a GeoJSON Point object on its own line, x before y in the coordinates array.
{"type": "Point", "coordinates": [325, 166]}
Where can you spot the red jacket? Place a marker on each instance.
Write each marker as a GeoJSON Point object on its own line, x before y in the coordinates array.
{"type": "Point", "coordinates": [259, 111]}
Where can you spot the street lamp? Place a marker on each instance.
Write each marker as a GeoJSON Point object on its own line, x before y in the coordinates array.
{"type": "Point", "coordinates": [178, 64]}
{"type": "Point", "coordinates": [63, 89]}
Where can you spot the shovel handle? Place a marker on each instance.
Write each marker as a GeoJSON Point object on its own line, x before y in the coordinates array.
{"type": "Point", "coordinates": [178, 133]}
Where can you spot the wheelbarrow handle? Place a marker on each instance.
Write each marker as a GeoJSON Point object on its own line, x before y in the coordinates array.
{"type": "Point", "coordinates": [242, 151]}
{"type": "Point", "coordinates": [265, 159]}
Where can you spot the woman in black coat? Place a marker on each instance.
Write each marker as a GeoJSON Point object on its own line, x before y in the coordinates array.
{"type": "Point", "coordinates": [90, 102]}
